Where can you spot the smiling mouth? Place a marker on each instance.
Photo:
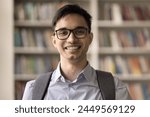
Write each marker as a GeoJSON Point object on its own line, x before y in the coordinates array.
{"type": "Point", "coordinates": [72, 47]}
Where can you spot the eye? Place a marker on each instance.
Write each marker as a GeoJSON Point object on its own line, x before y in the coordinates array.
{"type": "Point", "coordinates": [62, 32]}
{"type": "Point", "coordinates": [80, 31]}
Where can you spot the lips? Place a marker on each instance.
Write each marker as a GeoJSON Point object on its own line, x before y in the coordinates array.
{"type": "Point", "coordinates": [77, 47]}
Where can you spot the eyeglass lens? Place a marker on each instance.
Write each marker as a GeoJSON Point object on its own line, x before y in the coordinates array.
{"type": "Point", "coordinates": [79, 32]}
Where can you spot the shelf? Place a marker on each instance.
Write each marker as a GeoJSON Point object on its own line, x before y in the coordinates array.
{"type": "Point", "coordinates": [124, 24]}
{"type": "Point", "coordinates": [25, 77]}
{"type": "Point", "coordinates": [32, 50]}
{"type": "Point", "coordinates": [124, 1]}
{"type": "Point", "coordinates": [33, 23]}
{"type": "Point", "coordinates": [134, 78]}
{"type": "Point", "coordinates": [125, 51]}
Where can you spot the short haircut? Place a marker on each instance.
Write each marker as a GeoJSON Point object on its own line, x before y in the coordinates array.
{"type": "Point", "coordinates": [71, 9]}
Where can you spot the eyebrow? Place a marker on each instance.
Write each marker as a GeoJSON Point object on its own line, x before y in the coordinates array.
{"type": "Point", "coordinates": [64, 28]}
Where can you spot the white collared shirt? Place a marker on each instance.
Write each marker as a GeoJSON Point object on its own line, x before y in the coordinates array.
{"type": "Point", "coordinates": [84, 87]}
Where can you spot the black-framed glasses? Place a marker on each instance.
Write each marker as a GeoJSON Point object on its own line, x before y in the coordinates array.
{"type": "Point", "coordinates": [64, 33]}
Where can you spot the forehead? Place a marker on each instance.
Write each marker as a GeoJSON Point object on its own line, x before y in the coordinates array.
{"type": "Point", "coordinates": [71, 21]}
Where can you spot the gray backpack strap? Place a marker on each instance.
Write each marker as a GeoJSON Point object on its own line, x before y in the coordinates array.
{"type": "Point", "coordinates": [105, 82]}
{"type": "Point", "coordinates": [41, 86]}
{"type": "Point", "coordinates": [106, 85]}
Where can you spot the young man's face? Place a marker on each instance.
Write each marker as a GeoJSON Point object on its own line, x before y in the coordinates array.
{"type": "Point", "coordinates": [72, 47]}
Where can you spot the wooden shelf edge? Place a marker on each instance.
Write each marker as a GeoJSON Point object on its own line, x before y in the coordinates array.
{"type": "Point", "coordinates": [33, 23]}
{"type": "Point", "coordinates": [25, 77]}
{"type": "Point", "coordinates": [34, 50]}
{"type": "Point", "coordinates": [134, 78]}
{"type": "Point", "coordinates": [124, 24]}
{"type": "Point", "coordinates": [124, 51]}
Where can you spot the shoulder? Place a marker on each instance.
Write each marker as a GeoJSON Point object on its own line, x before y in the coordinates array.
{"type": "Point", "coordinates": [27, 95]}
{"type": "Point", "coordinates": [121, 88]}
{"type": "Point", "coordinates": [30, 84]}
{"type": "Point", "coordinates": [122, 92]}
{"type": "Point", "coordinates": [119, 83]}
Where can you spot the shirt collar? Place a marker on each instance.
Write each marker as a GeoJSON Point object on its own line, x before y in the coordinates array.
{"type": "Point", "coordinates": [87, 72]}
{"type": "Point", "coordinates": [57, 74]}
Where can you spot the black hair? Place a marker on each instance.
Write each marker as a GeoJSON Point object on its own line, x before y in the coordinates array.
{"type": "Point", "coordinates": [72, 9]}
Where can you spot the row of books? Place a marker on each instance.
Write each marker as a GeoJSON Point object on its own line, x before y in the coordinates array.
{"type": "Point", "coordinates": [125, 38]}
{"type": "Point", "coordinates": [35, 64]}
{"type": "Point", "coordinates": [140, 12]}
{"type": "Point", "coordinates": [36, 10]}
{"type": "Point", "coordinates": [126, 64]}
{"type": "Point", "coordinates": [139, 91]}
{"type": "Point", "coordinates": [123, 12]}
{"type": "Point", "coordinates": [26, 37]}
{"type": "Point", "coordinates": [42, 10]}
{"type": "Point", "coordinates": [19, 89]}
{"type": "Point", "coordinates": [115, 11]}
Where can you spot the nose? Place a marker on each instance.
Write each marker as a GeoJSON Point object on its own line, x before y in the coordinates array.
{"type": "Point", "coordinates": [72, 38]}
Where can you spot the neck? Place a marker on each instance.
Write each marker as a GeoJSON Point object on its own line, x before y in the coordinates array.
{"type": "Point", "coordinates": [71, 70]}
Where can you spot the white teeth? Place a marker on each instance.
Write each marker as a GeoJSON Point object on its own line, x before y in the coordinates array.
{"type": "Point", "coordinates": [72, 48]}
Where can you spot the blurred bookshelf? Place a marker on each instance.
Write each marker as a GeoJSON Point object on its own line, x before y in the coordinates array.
{"type": "Point", "coordinates": [121, 41]}
{"type": "Point", "coordinates": [124, 42]}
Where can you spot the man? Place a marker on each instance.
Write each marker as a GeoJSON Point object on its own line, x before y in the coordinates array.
{"type": "Point", "coordinates": [74, 78]}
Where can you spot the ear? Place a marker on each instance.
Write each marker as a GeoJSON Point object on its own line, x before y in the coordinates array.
{"type": "Point", "coordinates": [53, 41]}
{"type": "Point", "coordinates": [91, 37]}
